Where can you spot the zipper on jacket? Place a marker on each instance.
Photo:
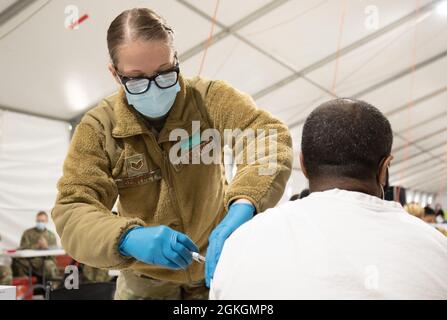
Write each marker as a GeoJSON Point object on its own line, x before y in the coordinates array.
{"type": "Point", "coordinates": [171, 191]}
{"type": "Point", "coordinates": [174, 200]}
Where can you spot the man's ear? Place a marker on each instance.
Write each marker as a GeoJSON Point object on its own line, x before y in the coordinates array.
{"type": "Point", "coordinates": [383, 169]}
{"type": "Point", "coordinates": [303, 168]}
{"type": "Point", "coordinates": [113, 72]}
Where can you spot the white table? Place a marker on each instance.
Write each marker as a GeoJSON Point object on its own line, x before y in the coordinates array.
{"type": "Point", "coordinates": [29, 254]}
{"type": "Point", "coordinates": [7, 292]}
{"type": "Point", "coordinates": [33, 253]}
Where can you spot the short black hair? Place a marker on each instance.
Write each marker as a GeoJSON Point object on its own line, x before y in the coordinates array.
{"type": "Point", "coordinates": [345, 138]}
{"type": "Point", "coordinates": [42, 213]}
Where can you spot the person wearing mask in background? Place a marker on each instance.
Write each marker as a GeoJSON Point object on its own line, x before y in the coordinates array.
{"type": "Point", "coordinates": [37, 238]}
{"type": "Point", "coordinates": [166, 210]}
{"type": "Point", "coordinates": [343, 241]}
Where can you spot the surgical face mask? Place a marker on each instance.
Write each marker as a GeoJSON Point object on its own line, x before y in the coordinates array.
{"type": "Point", "coordinates": [155, 102]}
{"type": "Point", "coordinates": [41, 225]}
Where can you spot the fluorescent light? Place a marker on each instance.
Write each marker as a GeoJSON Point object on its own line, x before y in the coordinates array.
{"type": "Point", "coordinates": [417, 196]}
{"type": "Point", "coordinates": [76, 96]}
{"type": "Point", "coordinates": [409, 196]}
{"type": "Point", "coordinates": [424, 199]}
{"type": "Point", "coordinates": [441, 8]}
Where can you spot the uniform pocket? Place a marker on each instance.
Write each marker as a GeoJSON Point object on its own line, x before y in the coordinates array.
{"type": "Point", "coordinates": [119, 166]}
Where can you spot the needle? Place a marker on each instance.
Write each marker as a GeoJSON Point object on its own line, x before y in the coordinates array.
{"type": "Point", "coordinates": [197, 257]}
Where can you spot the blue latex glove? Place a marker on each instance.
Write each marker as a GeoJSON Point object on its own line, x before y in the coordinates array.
{"type": "Point", "coordinates": [158, 245]}
{"type": "Point", "coordinates": [238, 214]}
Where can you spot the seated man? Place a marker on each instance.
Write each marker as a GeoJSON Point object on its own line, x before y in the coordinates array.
{"type": "Point", "coordinates": [38, 237]}
{"type": "Point", "coordinates": [342, 241]}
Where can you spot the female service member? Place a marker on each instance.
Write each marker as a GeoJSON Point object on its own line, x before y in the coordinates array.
{"type": "Point", "coordinates": [166, 209]}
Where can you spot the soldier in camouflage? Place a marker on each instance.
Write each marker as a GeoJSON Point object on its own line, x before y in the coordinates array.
{"type": "Point", "coordinates": [91, 274]}
{"type": "Point", "coordinates": [37, 238]}
{"type": "Point", "coordinates": [5, 276]}
{"type": "Point", "coordinates": [133, 286]}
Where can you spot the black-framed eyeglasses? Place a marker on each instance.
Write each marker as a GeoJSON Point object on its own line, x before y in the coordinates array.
{"type": "Point", "coordinates": [163, 80]}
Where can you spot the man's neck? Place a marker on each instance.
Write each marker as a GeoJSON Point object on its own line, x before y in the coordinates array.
{"type": "Point", "coordinates": [346, 184]}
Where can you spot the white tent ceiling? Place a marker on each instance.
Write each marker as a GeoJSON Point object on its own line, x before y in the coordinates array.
{"type": "Point", "coordinates": [286, 53]}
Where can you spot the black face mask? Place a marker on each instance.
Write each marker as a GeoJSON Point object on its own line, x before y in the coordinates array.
{"type": "Point", "coordinates": [389, 192]}
{"type": "Point", "coordinates": [387, 180]}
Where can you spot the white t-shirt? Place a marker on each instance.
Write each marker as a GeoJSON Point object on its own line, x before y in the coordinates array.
{"type": "Point", "coordinates": [335, 244]}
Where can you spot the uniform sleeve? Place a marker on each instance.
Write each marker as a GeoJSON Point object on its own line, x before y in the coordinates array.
{"type": "Point", "coordinates": [52, 240]}
{"type": "Point", "coordinates": [264, 164]}
{"type": "Point", "coordinates": [89, 232]}
{"type": "Point", "coordinates": [25, 242]}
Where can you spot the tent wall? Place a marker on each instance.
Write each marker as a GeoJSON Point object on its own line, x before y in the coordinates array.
{"type": "Point", "coordinates": [32, 150]}
{"type": "Point", "coordinates": [442, 199]}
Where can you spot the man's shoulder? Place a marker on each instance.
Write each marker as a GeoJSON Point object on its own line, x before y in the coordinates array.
{"type": "Point", "coordinates": [209, 87]}
{"type": "Point", "coordinates": [442, 230]}
{"type": "Point", "coordinates": [29, 232]}
{"type": "Point", "coordinates": [273, 223]}
{"type": "Point", "coordinates": [409, 221]}
{"type": "Point", "coordinates": [413, 229]}
{"type": "Point", "coordinates": [50, 233]}
{"type": "Point", "coordinates": [199, 83]}
{"type": "Point", "coordinates": [298, 209]}
{"type": "Point", "coordinates": [29, 236]}
{"type": "Point", "coordinates": [102, 115]}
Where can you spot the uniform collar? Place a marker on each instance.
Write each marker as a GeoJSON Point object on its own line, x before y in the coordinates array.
{"type": "Point", "coordinates": [129, 122]}
{"type": "Point", "coordinates": [358, 197]}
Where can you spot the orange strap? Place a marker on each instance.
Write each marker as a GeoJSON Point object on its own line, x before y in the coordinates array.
{"type": "Point", "coordinates": [210, 38]}
{"type": "Point", "coordinates": [340, 38]}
